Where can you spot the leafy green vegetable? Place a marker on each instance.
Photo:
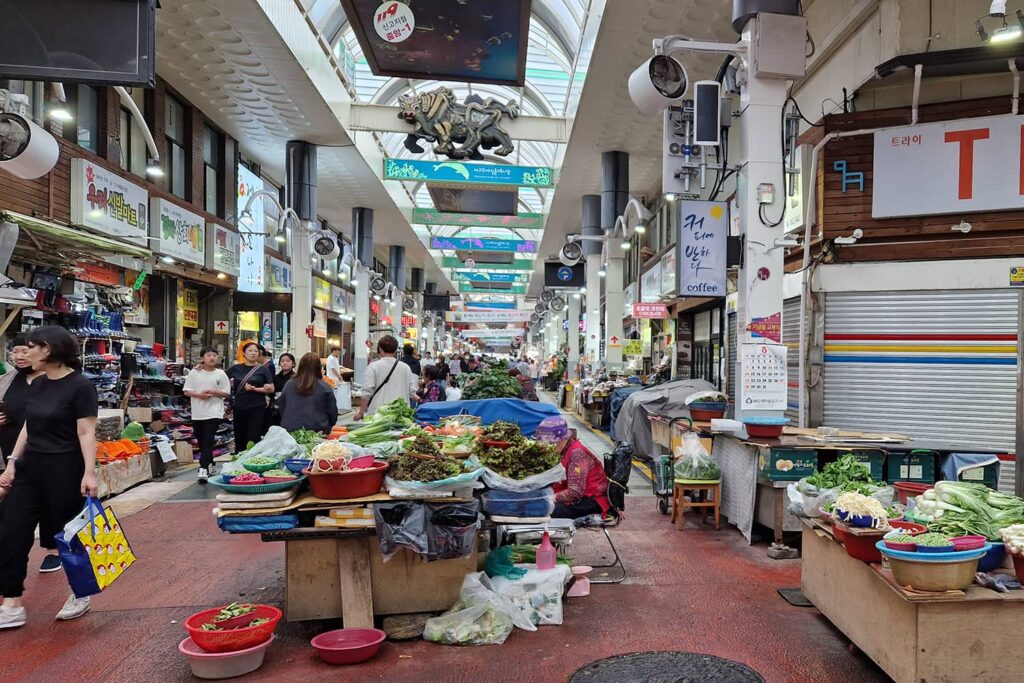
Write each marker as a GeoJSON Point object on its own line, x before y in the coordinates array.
{"type": "Point", "coordinates": [422, 444]}
{"type": "Point", "coordinates": [501, 430]}
{"type": "Point", "coordinates": [411, 466]}
{"type": "Point", "coordinates": [847, 473]}
{"type": "Point", "coordinates": [492, 383]}
{"type": "Point", "coordinates": [961, 509]}
{"type": "Point", "coordinates": [307, 438]}
{"type": "Point", "coordinates": [520, 460]}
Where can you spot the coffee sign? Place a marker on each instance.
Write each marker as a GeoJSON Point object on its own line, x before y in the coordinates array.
{"type": "Point", "coordinates": [105, 202]}
{"type": "Point", "coordinates": [178, 232]}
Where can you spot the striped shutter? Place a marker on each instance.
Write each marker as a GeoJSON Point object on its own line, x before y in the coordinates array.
{"type": "Point", "coordinates": [791, 338]}
{"type": "Point", "coordinates": [732, 341]}
{"type": "Point", "coordinates": [939, 365]}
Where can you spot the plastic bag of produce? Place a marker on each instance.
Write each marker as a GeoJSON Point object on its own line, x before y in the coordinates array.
{"type": "Point", "coordinates": [277, 444]}
{"type": "Point", "coordinates": [539, 503]}
{"type": "Point", "coordinates": [467, 480]}
{"type": "Point", "coordinates": [811, 499]}
{"type": "Point", "coordinates": [531, 483]}
{"type": "Point", "coordinates": [693, 462]}
{"type": "Point", "coordinates": [538, 594]}
{"type": "Point", "coordinates": [480, 617]}
{"type": "Point", "coordinates": [452, 529]}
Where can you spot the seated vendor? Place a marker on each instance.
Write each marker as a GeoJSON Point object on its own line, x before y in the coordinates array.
{"type": "Point", "coordinates": [585, 490]}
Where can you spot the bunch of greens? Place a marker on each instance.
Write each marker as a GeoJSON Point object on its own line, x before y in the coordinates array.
{"type": "Point", "coordinates": [392, 417]}
{"type": "Point", "coordinates": [492, 383]}
{"type": "Point", "coordinates": [846, 473]}
{"type": "Point", "coordinates": [411, 466]}
{"type": "Point", "coordinates": [520, 460]}
{"type": "Point", "coordinates": [307, 438]}
{"type": "Point", "coordinates": [959, 508]}
{"type": "Point", "coordinates": [527, 554]}
{"type": "Point", "coordinates": [501, 430]}
{"type": "Point", "coordinates": [423, 445]}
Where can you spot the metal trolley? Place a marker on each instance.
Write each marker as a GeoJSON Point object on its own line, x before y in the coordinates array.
{"type": "Point", "coordinates": [664, 472]}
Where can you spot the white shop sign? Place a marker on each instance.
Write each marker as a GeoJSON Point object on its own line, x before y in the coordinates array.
{"type": "Point", "coordinates": [278, 276]}
{"type": "Point", "coordinates": [107, 203]}
{"type": "Point", "coordinates": [650, 285]}
{"type": "Point", "coordinates": [252, 274]}
{"type": "Point", "coordinates": [701, 248]}
{"type": "Point", "coordinates": [223, 249]}
{"type": "Point", "coordinates": [628, 299]}
{"type": "Point", "coordinates": [338, 300]}
{"type": "Point", "coordinates": [962, 166]}
{"type": "Point", "coordinates": [178, 232]}
{"type": "Point", "coordinates": [668, 272]}
{"type": "Point", "coordinates": [764, 383]}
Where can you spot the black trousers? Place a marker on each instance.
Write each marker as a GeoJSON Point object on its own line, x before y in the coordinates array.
{"type": "Point", "coordinates": [581, 508]}
{"type": "Point", "coordinates": [206, 435]}
{"type": "Point", "coordinates": [47, 488]}
{"type": "Point", "coordinates": [250, 425]}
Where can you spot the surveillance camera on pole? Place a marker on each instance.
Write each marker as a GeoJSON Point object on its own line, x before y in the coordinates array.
{"type": "Point", "coordinates": [325, 245]}
{"type": "Point", "coordinates": [658, 83]}
{"type": "Point", "coordinates": [26, 150]}
{"type": "Point", "coordinates": [571, 253]}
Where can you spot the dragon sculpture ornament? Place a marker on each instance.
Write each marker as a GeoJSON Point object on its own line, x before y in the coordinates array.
{"type": "Point", "coordinates": [458, 131]}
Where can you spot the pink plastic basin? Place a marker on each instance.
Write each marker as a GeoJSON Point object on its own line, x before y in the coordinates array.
{"type": "Point", "coordinates": [968, 542]}
{"type": "Point", "coordinates": [348, 645]}
{"type": "Point", "coordinates": [217, 665]}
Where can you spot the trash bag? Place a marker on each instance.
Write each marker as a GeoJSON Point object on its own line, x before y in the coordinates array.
{"type": "Point", "coordinates": [531, 483]}
{"type": "Point", "coordinates": [452, 529]}
{"type": "Point", "coordinates": [401, 525]}
{"type": "Point", "coordinates": [693, 462]}
{"type": "Point", "coordinates": [537, 594]}
{"type": "Point", "coordinates": [480, 617]}
{"type": "Point", "coordinates": [617, 466]}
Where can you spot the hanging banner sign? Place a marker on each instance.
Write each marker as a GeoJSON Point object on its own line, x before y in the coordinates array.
{"type": "Point", "coordinates": [252, 275]}
{"type": "Point", "coordinates": [516, 316]}
{"type": "Point", "coordinates": [338, 300]}
{"type": "Point", "coordinates": [107, 203]}
{"type": "Point", "coordinates": [511, 289]}
{"type": "Point", "coordinates": [701, 248]}
{"type": "Point", "coordinates": [321, 293]}
{"type": "Point", "coordinates": [320, 323]}
{"type": "Point", "coordinates": [650, 285]}
{"type": "Point", "coordinates": [178, 232]}
{"type": "Point", "coordinates": [223, 250]}
{"type": "Point", "coordinates": [517, 264]}
{"type": "Point", "coordinates": [628, 298]}
{"type": "Point", "coordinates": [652, 311]}
{"type": "Point", "coordinates": [523, 221]}
{"type": "Point", "coordinates": [768, 327]}
{"type": "Point", "coordinates": [763, 376]}
{"type": "Point", "coordinates": [459, 173]}
{"type": "Point", "coordinates": [668, 273]}
{"type": "Point", "coordinates": [279, 276]}
{"type": "Point", "coordinates": [190, 306]}
{"type": "Point", "coordinates": [491, 334]}
{"type": "Point", "coordinates": [483, 244]}
{"type": "Point", "coordinates": [491, 304]}
{"type": "Point", "coordinates": [484, 276]}
{"type": "Point", "coordinates": [964, 166]}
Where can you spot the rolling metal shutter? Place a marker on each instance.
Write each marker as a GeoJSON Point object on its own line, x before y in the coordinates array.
{"type": "Point", "coordinates": [791, 338]}
{"type": "Point", "coordinates": [938, 365]}
{"type": "Point", "coordinates": [731, 363]}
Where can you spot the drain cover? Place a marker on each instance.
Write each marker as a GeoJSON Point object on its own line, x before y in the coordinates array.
{"type": "Point", "coordinates": [665, 667]}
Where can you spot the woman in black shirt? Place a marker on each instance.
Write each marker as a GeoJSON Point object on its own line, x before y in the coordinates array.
{"type": "Point", "coordinates": [287, 364]}
{"type": "Point", "coordinates": [52, 464]}
{"type": "Point", "coordinates": [251, 383]}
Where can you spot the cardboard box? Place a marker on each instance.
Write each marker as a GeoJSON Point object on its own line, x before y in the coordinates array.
{"type": "Point", "coordinates": [786, 464]}
{"type": "Point", "coordinates": [350, 523]}
{"type": "Point", "coordinates": [356, 512]}
{"type": "Point", "coordinates": [183, 449]}
{"type": "Point", "coordinates": [143, 415]}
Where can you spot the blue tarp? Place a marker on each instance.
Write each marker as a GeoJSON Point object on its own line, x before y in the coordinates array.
{"type": "Point", "coordinates": [527, 414]}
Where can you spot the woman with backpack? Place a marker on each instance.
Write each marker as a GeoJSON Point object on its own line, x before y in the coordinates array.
{"type": "Point", "coordinates": [585, 489]}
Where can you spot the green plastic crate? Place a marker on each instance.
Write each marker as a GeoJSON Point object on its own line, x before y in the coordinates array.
{"type": "Point", "coordinates": [873, 459]}
{"type": "Point", "coordinates": [915, 466]}
{"type": "Point", "coordinates": [787, 464]}
{"type": "Point", "coordinates": [987, 475]}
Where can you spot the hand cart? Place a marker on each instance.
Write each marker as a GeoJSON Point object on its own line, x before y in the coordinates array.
{"type": "Point", "coordinates": [664, 472]}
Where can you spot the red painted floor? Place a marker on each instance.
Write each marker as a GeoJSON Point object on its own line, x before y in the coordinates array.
{"type": "Point", "coordinates": [696, 590]}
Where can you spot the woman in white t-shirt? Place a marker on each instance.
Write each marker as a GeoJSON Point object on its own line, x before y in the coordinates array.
{"type": "Point", "coordinates": [207, 385]}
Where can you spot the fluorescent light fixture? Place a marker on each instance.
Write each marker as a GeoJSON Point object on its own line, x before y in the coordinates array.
{"type": "Point", "coordinates": [602, 272]}
{"type": "Point", "coordinates": [326, 272]}
{"type": "Point", "coordinates": [626, 245]}
{"type": "Point", "coordinates": [154, 169]}
{"type": "Point", "coordinates": [222, 276]}
{"type": "Point", "coordinates": [1006, 34]}
{"type": "Point", "coordinates": [61, 113]}
{"type": "Point", "coordinates": [640, 228]}
{"type": "Point", "coordinates": [280, 238]}
{"type": "Point", "coordinates": [167, 259]}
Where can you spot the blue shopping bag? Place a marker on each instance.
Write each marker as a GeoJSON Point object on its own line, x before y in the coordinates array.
{"type": "Point", "coordinates": [93, 549]}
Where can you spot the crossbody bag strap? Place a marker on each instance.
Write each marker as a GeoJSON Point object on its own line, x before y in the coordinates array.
{"type": "Point", "coordinates": [381, 386]}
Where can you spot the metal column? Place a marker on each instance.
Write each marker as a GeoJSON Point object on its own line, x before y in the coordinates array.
{"type": "Point", "coordinates": [362, 242]}
{"type": "Point", "coordinates": [396, 274]}
{"type": "Point", "coordinates": [592, 249]}
{"type": "Point", "coordinates": [300, 194]}
{"type": "Point", "coordinates": [614, 196]}
{"type": "Point", "coordinates": [573, 334]}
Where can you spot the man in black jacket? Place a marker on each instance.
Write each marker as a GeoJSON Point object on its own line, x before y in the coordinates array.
{"type": "Point", "coordinates": [409, 358]}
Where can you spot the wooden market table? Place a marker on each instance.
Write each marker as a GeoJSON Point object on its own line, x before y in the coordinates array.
{"type": "Point", "coordinates": [969, 635]}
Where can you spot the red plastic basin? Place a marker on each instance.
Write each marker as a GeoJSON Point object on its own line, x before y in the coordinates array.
{"type": "Point", "coordinates": [906, 547]}
{"type": "Point", "coordinates": [764, 431]}
{"type": "Point", "coordinates": [863, 548]}
{"type": "Point", "coordinates": [350, 484]}
{"type": "Point", "coordinates": [968, 542]}
{"type": "Point", "coordinates": [912, 528]}
{"type": "Point", "coordinates": [348, 645]}
{"type": "Point", "coordinates": [232, 639]}
{"type": "Point", "coordinates": [909, 489]}
{"type": "Point", "coordinates": [699, 415]}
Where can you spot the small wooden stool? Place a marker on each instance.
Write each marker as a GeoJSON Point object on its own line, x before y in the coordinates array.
{"type": "Point", "coordinates": [679, 502]}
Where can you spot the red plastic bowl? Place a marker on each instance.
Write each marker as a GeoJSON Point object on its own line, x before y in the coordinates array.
{"type": "Point", "coordinates": [905, 547]}
{"type": "Point", "coordinates": [863, 548]}
{"type": "Point", "coordinates": [350, 484]}
{"type": "Point", "coordinates": [909, 489]}
{"type": "Point", "coordinates": [912, 528]}
{"type": "Point", "coordinates": [764, 431]}
{"type": "Point", "coordinates": [348, 645]}
{"type": "Point", "coordinates": [968, 542]}
{"type": "Point", "coordinates": [699, 415]}
{"type": "Point", "coordinates": [840, 533]}
{"type": "Point", "coordinates": [233, 639]}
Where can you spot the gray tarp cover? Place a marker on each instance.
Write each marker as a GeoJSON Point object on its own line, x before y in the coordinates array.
{"type": "Point", "coordinates": [632, 424]}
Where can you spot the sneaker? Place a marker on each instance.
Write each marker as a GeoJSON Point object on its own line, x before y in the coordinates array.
{"type": "Point", "coordinates": [203, 475]}
{"type": "Point", "coordinates": [51, 563]}
{"type": "Point", "coordinates": [12, 617]}
{"type": "Point", "coordinates": [73, 608]}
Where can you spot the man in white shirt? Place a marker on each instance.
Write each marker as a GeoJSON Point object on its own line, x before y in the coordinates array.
{"type": "Point", "coordinates": [207, 386]}
{"type": "Point", "coordinates": [387, 378]}
{"type": "Point", "coordinates": [334, 365]}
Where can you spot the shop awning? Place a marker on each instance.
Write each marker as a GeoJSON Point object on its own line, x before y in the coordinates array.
{"type": "Point", "coordinates": [51, 244]}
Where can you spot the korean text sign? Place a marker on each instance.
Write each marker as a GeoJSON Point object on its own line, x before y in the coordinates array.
{"type": "Point", "coordinates": [701, 248]}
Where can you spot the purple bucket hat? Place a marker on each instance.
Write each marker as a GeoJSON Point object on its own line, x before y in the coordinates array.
{"type": "Point", "coordinates": [551, 430]}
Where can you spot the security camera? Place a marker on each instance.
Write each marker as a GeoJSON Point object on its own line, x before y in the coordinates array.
{"type": "Point", "coordinates": [558, 304]}
{"type": "Point", "coordinates": [409, 303]}
{"type": "Point", "coordinates": [657, 83]}
{"type": "Point", "coordinates": [547, 295]}
{"type": "Point", "coordinates": [378, 284]}
{"type": "Point", "coordinates": [539, 308]}
{"type": "Point", "coordinates": [325, 245]}
{"type": "Point", "coordinates": [26, 150]}
{"type": "Point", "coordinates": [571, 253]}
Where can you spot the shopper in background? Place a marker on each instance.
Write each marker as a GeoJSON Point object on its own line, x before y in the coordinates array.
{"type": "Point", "coordinates": [455, 367]}
{"type": "Point", "coordinates": [523, 367]}
{"type": "Point", "coordinates": [409, 358]}
{"type": "Point", "coordinates": [585, 489]}
{"type": "Point", "coordinates": [433, 388]}
{"type": "Point", "coordinates": [13, 398]}
{"type": "Point", "coordinates": [334, 365]}
{"type": "Point", "coordinates": [387, 378]}
{"type": "Point", "coordinates": [207, 386]}
{"type": "Point", "coordinates": [251, 384]}
{"type": "Point", "coordinates": [307, 402]}
{"type": "Point", "coordinates": [286, 363]}
{"type": "Point", "coordinates": [534, 370]}
{"type": "Point", "coordinates": [52, 465]}
{"type": "Point", "coordinates": [525, 383]}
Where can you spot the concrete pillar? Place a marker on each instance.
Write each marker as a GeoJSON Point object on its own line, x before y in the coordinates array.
{"type": "Point", "coordinates": [396, 274]}
{"type": "Point", "coordinates": [300, 196]}
{"type": "Point", "coordinates": [362, 242]}
{"type": "Point", "coordinates": [573, 334]}
{"type": "Point", "coordinates": [592, 250]}
{"type": "Point", "coordinates": [614, 196]}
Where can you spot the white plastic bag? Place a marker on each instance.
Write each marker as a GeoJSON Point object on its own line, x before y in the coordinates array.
{"type": "Point", "coordinates": [480, 617]}
{"type": "Point", "coordinates": [693, 462]}
{"type": "Point", "coordinates": [399, 488]}
{"type": "Point", "coordinates": [278, 443]}
{"type": "Point", "coordinates": [813, 499]}
{"type": "Point", "coordinates": [538, 593]}
{"type": "Point", "coordinates": [532, 483]}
